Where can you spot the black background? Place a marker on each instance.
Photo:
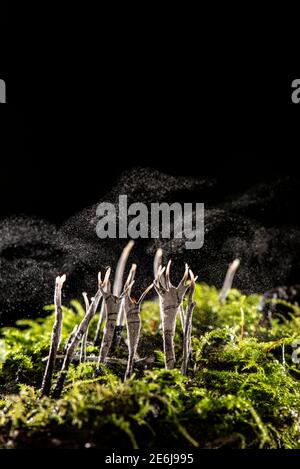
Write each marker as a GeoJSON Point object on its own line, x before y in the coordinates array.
{"type": "Point", "coordinates": [87, 101]}
{"type": "Point", "coordinates": [65, 138]}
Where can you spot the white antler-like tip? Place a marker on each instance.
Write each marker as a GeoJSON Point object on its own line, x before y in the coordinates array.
{"type": "Point", "coordinates": [192, 277]}
{"type": "Point", "coordinates": [235, 263]}
{"type": "Point", "coordinates": [107, 275]}
{"type": "Point", "coordinates": [60, 280]}
{"type": "Point", "coordinates": [86, 300]}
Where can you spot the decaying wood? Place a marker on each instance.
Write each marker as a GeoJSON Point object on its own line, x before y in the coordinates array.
{"type": "Point", "coordinates": [55, 337]}
{"type": "Point", "coordinates": [117, 288]}
{"type": "Point", "coordinates": [229, 280]}
{"type": "Point", "coordinates": [171, 298]}
{"type": "Point", "coordinates": [188, 325]}
{"type": "Point", "coordinates": [132, 311]}
{"type": "Point", "coordinates": [82, 328]}
{"type": "Point", "coordinates": [112, 306]}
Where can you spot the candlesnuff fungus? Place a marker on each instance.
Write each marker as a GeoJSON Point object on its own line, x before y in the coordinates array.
{"type": "Point", "coordinates": [157, 261]}
{"type": "Point", "coordinates": [117, 288]}
{"type": "Point", "coordinates": [99, 323]}
{"type": "Point", "coordinates": [171, 298]}
{"type": "Point", "coordinates": [229, 279]}
{"type": "Point", "coordinates": [156, 264]}
{"type": "Point", "coordinates": [182, 316]}
{"type": "Point", "coordinates": [81, 330]}
{"type": "Point", "coordinates": [118, 281]}
{"type": "Point", "coordinates": [187, 333]}
{"type": "Point", "coordinates": [71, 337]}
{"type": "Point", "coordinates": [55, 337]}
{"type": "Point", "coordinates": [112, 307]}
{"type": "Point", "coordinates": [132, 311]}
{"type": "Point", "coordinates": [85, 336]}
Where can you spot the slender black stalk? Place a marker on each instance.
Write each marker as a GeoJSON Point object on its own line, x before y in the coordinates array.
{"type": "Point", "coordinates": [55, 338]}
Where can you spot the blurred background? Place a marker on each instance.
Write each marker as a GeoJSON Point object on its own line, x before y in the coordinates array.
{"type": "Point", "coordinates": [66, 137]}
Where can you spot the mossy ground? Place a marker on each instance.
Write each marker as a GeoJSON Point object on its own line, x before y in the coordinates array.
{"type": "Point", "coordinates": [242, 390]}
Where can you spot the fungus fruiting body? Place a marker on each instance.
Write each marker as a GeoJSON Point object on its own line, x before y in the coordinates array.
{"type": "Point", "coordinates": [55, 338]}
{"type": "Point", "coordinates": [132, 311]}
{"type": "Point", "coordinates": [171, 298]}
{"type": "Point", "coordinates": [78, 336]}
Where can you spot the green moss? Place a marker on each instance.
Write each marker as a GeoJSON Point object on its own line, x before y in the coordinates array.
{"type": "Point", "coordinates": [239, 393]}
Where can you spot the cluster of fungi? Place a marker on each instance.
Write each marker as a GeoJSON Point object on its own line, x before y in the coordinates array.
{"type": "Point", "coordinates": [119, 307]}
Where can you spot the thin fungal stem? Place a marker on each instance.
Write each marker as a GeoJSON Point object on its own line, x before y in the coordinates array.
{"type": "Point", "coordinates": [156, 265]}
{"type": "Point", "coordinates": [132, 310]}
{"type": "Point", "coordinates": [157, 261]}
{"type": "Point", "coordinates": [100, 322]}
{"type": "Point", "coordinates": [182, 317]}
{"type": "Point", "coordinates": [55, 337]}
{"type": "Point", "coordinates": [168, 281]}
{"type": "Point", "coordinates": [130, 278]}
{"type": "Point", "coordinates": [71, 337]}
{"type": "Point", "coordinates": [118, 281]}
{"type": "Point", "coordinates": [85, 336]}
{"type": "Point", "coordinates": [229, 280]}
{"type": "Point", "coordinates": [188, 325]}
{"type": "Point", "coordinates": [82, 328]}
